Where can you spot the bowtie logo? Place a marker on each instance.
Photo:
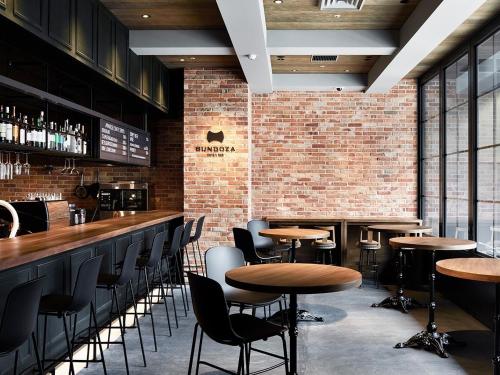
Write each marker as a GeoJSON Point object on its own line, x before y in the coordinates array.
{"type": "Point", "coordinates": [212, 137]}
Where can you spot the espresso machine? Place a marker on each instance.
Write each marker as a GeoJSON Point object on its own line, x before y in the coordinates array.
{"type": "Point", "coordinates": [122, 198]}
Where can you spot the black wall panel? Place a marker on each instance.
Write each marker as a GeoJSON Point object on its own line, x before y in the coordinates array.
{"type": "Point", "coordinates": [135, 72]}
{"type": "Point", "coordinates": [61, 22]}
{"type": "Point", "coordinates": [147, 77]}
{"type": "Point", "coordinates": [30, 12]}
{"type": "Point", "coordinates": [121, 53]}
{"type": "Point", "coordinates": [85, 38]}
{"type": "Point", "coordinates": [105, 41]}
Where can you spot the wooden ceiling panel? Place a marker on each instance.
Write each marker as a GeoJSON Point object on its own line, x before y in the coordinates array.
{"type": "Point", "coordinates": [479, 19]}
{"type": "Point", "coordinates": [167, 14]}
{"type": "Point", "coordinates": [200, 61]}
{"type": "Point", "coordinates": [305, 14]}
{"type": "Point", "coordinates": [303, 64]}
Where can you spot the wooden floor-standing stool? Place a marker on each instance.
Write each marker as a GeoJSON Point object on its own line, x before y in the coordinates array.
{"type": "Point", "coordinates": [326, 246]}
{"type": "Point", "coordinates": [368, 252]}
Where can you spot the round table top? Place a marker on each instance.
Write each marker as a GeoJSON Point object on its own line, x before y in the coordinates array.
{"type": "Point", "coordinates": [432, 243]}
{"type": "Point", "coordinates": [295, 233]}
{"type": "Point", "coordinates": [401, 228]}
{"type": "Point", "coordinates": [298, 278]}
{"type": "Point", "coordinates": [477, 269]}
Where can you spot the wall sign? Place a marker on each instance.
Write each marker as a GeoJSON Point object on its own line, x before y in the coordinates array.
{"type": "Point", "coordinates": [219, 150]}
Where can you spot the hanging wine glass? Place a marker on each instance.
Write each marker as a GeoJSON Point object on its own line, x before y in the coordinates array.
{"type": "Point", "coordinates": [26, 166]}
{"type": "Point", "coordinates": [2, 167]}
{"type": "Point", "coordinates": [10, 168]}
{"type": "Point", "coordinates": [18, 167]}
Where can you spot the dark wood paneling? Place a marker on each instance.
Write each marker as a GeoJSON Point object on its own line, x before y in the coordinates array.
{"type": "Point", "coordinates": [147, 76]}
{"type": "Point", "coordinates": [61, 22]}
{"type": "Point", "coordinates": [157, 81]}
{"type": "Point", "coordinates": [164, 87]}
{"type": "Point", "coordinates": [30, 12]}
{"type": "Point", "coordinates": [121, 53]}
{"type": "Point", "coordinates": [3, 4]}
{"type": "Point", "coordinates": [135, 72]}
{"type": "Point", "coordinates": [105, 40]}
{"type": "Point", "coordinates": [85, 33]}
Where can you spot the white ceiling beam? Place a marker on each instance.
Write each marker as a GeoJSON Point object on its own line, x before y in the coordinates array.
{"type": "Point", "coordinates": [332, 42]}
{"type": "Point", "coordinates": [180, 42]}
{"type": "Point", "coordinates": [246, 24]}
{"type": "Point", "coordinates": [429, 25]}
{"type": "Point", "coordinates": [319, 82]}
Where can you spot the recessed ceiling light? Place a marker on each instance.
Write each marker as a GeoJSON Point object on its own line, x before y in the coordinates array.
{"type": "Point", "coordinates": [192, 58]}
{"type": "Point", "coordinates": [346, 70]}
{"type": "Point", "coordinates": [337, 16]}
{"type": "Point", "coordinates": [182, 59]}
{"type": "Point", "coordinates": [145, 16]}
{"type": "Point", "coordinates": [321, 66]}
{"type": "Point", "coordinates": [278, 1]}
{"type": "Point", "coordinates": [294, 70]}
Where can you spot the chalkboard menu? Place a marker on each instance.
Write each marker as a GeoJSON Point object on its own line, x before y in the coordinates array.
{"type": "Point", "coordinates": [120, 143]}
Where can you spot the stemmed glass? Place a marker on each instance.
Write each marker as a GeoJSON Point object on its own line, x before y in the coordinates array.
{"type": "Point", "coordinates": [2, 167]}
{"type": "Point", "coordinates": [74, 170]}
{"type": "Point", "coordinates": [26, 166]}
{"type": "Point", "coordinates": [18, 167]}
{"type": "Point", "coordinates": [66, 166]}
{"type": "Point", "coordinates": [10, 168]}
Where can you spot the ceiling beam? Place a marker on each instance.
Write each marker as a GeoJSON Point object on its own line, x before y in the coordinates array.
{"type": "Point", "coordinates": [319, 82]}
{"type": "Point", "coordinates": [429, 25]}
{"type": "Point", "coordinates": [332, 42]}
{"type": "Point", "coordinates": [180, 42]}
{"type": "Point", "coordinates": [246, 24]}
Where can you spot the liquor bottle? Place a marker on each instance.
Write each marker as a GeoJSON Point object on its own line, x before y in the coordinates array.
{"type": "Point", "coordinates": [50, 136]}
{"type": "Point", "coordinates": [72, 139]}
{"type": "Point", "coordinates": [43, 130]}
{"type": "Point", "coordinates": [34, 133]}
{"type": "Point", "coordinates": [84, 141]}
{"type": "Point", "coordinates": [3, 124]}
{"type": "Point", "coordinates": [15, 127]}
{"type": "Point", "coordinates": [65, 135]}
{"type": "Point", "coordinates": [22, 130]}
{"type": "Point", "coordinates": [8, 126]}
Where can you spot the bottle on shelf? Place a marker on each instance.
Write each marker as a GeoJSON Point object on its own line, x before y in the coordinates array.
{"type": "Point", "coordinates": [22, 130]}
{"type": "Point", "coordinates": [84, 140]}
{"type": "Point", "coordinates": [34, 133]}
{"type": "Point", "coordinates": [8, 126]}
{"type": "Point", "coordinates": [42, 128]}
{"type": "Point", "coordinates": [15, 127]}
{"type": "Point", "coordinates": [3, 124]}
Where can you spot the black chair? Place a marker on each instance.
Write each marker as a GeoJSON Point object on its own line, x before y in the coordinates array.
{"type": "Point", "coordinates": [212, 315]}
{"type": "Point", "coordinates": [146, 264]}
{"type": "Point", "coordinates": [243, 240]}
{"type": "Point", "coordinates": [19, 320]}
{"type": "Point", "coordinates": [62, 306]}
{"type": "Point", "coordinates": [264, 244]}
{"type": "Point", "coordinates": [186, 236]}
{"type": "Point", "coordinates": [119, 280]}
{"type": "Point", "coordinates": [195, 238]}
{"type": "Point", "coordinates": [173, 258]}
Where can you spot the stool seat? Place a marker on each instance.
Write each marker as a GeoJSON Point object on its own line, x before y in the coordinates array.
{"type": "Point", "coordinates": [325, 243]}
{"type": "Point", "coordinates": [369, 244]}
{"type": "Point", "coordinates": [326, 227]}
{"type": "Point", "coordinates": [56, 304]}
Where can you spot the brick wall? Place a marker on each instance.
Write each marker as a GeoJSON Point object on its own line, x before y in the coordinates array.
{"type": "Point", "coordinates": [323, 153]}
{"type": "Point", "coordinates": [165, 179]}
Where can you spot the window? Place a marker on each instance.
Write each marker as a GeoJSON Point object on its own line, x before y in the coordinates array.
{"type": "Point", "coordinates": [488, 145]}
{"type": "Point", "coordinates": [456, 156]}
{"type": "Point", "coordinates": [430, 154]}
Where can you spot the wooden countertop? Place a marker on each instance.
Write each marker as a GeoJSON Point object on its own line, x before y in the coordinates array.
{"type": "Point", "coordinates": [350, 219]}
{"type": "Point", "coordinates": [31, 247]}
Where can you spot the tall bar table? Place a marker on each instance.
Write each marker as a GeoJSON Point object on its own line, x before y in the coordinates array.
{"type": "Point", "coordinates": [293, 279]}
{"type": "Point", "coordinates": [400, 301]}
{"type": "Point", "coordinates": [478, 269]}
{"type": "Point", "coordinates": [430, 339]}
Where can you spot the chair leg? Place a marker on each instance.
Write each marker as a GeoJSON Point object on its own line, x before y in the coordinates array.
{"type": "Point", "coordinates": [98, 337]}
{"type": "Point", "coordinates": [199, 353]}
{"type": "Point", "coordinates": [16, 356]}
{"type": "Point", "coordinates": [182, 284]}
{"type": "Point", "coordinates": [44, 339]}
{"type": "Point", "coordinates": [247, 355]}
{"type": "Point", "coordinates": [195, 260]}
{"type": "Point", "coordinates": [169, 276]}
{"type": "Point", "coordinates": [148, 298]}
{"type": "Point", "coordinates": [285, 353]}
{"type": "Point", "coordinates": [110, 320]}
{"type": "Point", "coordinates": [164, 296]}
{"type": "Point", "coordinates": [122, 328]}
{"type": "Point", "coordinates": [88, 335]}
{"type": "Point", "coordinates": [136, 322]}
{"type": "Point", "coordinates": [241, 368]}
{"type": "Point", "coordinates": [201, 258]}
{"type": "Point", "coordinates": [193, 344]}
{"type": "Point", "coordinates": [37, 354]}
{"type": "Point", "coordinates": [66, 334]}
{"type": "Point", "coordinates": [186, 253]}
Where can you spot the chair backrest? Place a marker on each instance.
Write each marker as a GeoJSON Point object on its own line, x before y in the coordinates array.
{"type": "Point", "coordinates": [186, 236]}
{"type": "Point", "coordinates": [128, 266]}
{"type": "Point", "coordinates": [210, 309]}
{"type": "Point", "coordinates": [243, 240]}
{"type": "Point", "coordinates": [175, 244]}
{"type": "Point", "coordinates": [156, 249]}
{"type": "Point", "coordinates": [220, 259]}
{"type": "Point", "coordinates": [369, 235]}
{"type": "Point", "coordinates": [20, 314]}
{"type": "Point", "coordinates": [255, 226]}
{"type": "Point", "coordinates": [86, 282]}
{"type": "Point", "coordinates": [199, 228]}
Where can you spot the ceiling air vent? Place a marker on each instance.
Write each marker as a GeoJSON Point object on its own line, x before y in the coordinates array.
{"type": "Point", "coordinates": [323, 58]}
{"type": "Point", "coordinates": [341, 4]}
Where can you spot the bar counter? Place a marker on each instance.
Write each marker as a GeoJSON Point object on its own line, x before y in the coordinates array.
{"type": "Point", "coordinates": [32, 247]}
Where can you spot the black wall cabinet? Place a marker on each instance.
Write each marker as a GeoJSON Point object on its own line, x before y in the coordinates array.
{"type": "Point", "coordinates": [89, 32]}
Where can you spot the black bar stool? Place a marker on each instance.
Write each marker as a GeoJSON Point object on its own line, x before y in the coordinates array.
{"type": "Point", "coordinates": [62, 306]}
{"type": "Point", "coordinates": [19, 320]}
{"type": "Point", "coordinates": [173, 254]}
{"type": "Point", "coordinates": [195, 238]}
{"type": "Point", "coordinates": [145, 265]}
{"type": "Point", "coordinates": [115, 281]}
{"type": "Point", "coordinates": [184, 242]}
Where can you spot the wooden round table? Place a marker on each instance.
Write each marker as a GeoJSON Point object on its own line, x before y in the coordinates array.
{"type": "Point", "coordinates": [400, 301]}
{"type": "Point", "coordinates": [293, 279]}
{"type": "Point", "coordinates": [294, 234]}
{"type": "Point", "coordinates": [478, 269]}
{"type": "Point", "coordinates": [431, 339]}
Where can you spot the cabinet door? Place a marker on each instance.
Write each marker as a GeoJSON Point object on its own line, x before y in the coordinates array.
{"type": "Point", "coordinates": [3, 4]}
{"type": "Point", "coordinates": [105, 40]}
{"type": "Point", "coordinates": [30, 12]}
{"type": "Point", "coordinates": [61, 22]}
{"type": "Point", "coordinates": [147, 76]}
{"type": "Point", "coordinates": [85, 29]}
{"type": "Point", "coordinates": [164, 87]}
{"type": "Point", "coordinates": [157, 84]}
{"type": "Point", "coordinates": [135, 71]}
{"type": "Point", "coordinates": [121, 53]}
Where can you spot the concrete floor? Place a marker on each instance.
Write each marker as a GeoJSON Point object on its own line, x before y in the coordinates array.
{"type": "Point", "coordinates": [353, 339]}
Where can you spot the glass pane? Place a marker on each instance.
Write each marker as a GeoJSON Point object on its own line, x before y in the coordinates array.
{"type": "Point", "coordinates": [431, 177]}
{"type": "Point", "coordinates": [457, 174]}
{"type": "Point", "coordinates": [430, 99]}
{"type": "Point", "coordinates": [457, 83]}
{"type": "Point", "coordinates": [457, 129]}
{"type": "Point", "coordinates": [457, 218]}
{"type": "Point", "coordinates": [431, 137]}
{"type": "Point", "coordinates": [485, 66]}
{"type": "Point", "coordinates": [497, 59]}
{"type": "Point", "coordinates": [496, 114]}
{"type": "Point", "coordinates": [485, 174]}
{"type": "Point", "coordinates": [485, 119]}
{"type": "Point", "coordinates": [485, 215]}
{"type": "Point", "coordinates": [431, 213]}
